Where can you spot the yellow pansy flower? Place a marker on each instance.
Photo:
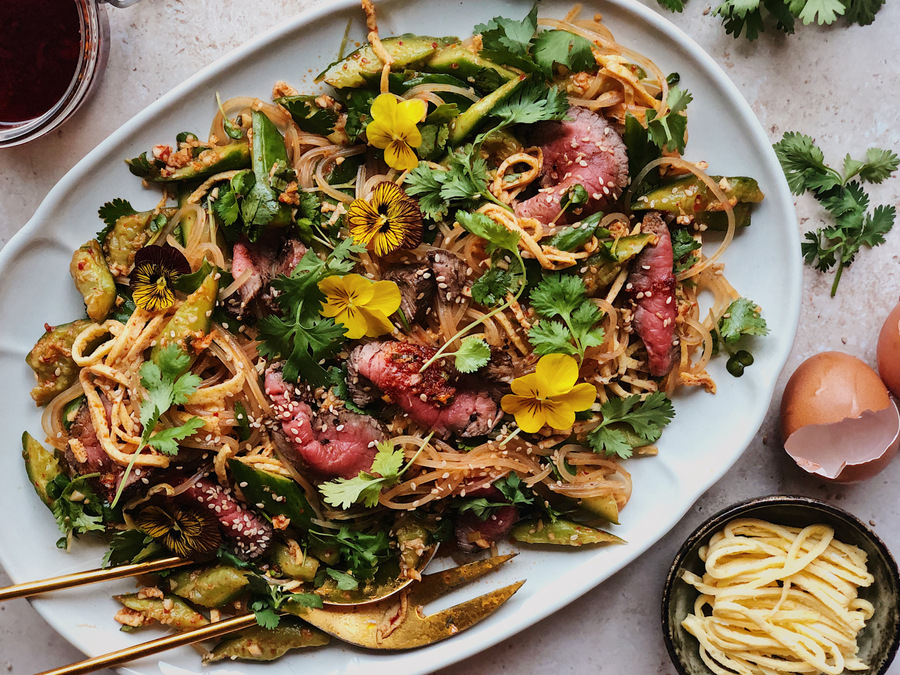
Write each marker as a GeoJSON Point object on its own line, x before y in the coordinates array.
{"type": "Point", "coordinates": [549, 395]}
{"type": "Point", "coordinates": [360, 305]}
{"type": "Point", "coordinates": [393, 129]}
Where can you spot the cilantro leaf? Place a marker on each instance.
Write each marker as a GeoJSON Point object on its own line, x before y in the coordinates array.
{"type": "Point", "coordinates": [366, 488]}
{"type": "Point", "coordinates": [362, 552]}
{"type": "Point", "coordinates": [337, 377]}
{"type": "Point", "coordinates": [672, 5]}
{"type": "Point", "coordinates": [110, 213]}
{"type": "Point", "coordinates": [131, 547]}
{"type": "Point", "coordinates": [741, 318]}
{"type": "Point", "coordinates": [879, 165]}
{"type": "Point", "coordinates": [559, 47]}
{"type": "Point", "coordinates": [641, 149]}
{"type": "Point", "coordinates": [824, 12]}
{"type": "Point", "coordinates": [668, 132]}
{"type": "Point", "coordinates": [345, 582]}
{"type": "Point", "coordinates": [78, 509]}
{"type": "Point", "coordinates": [551, 337]}
{"type": "Point", "coordinates": [647, 418]}
{"type": "Point", "coordinates": [804, 164]}
{"type": "Point", "coordinates": [564, 296]}
{"type": "Point", "coordinates": [683, 246]}
{"type": "Point", "coordinates": [426, 184]}
{"type": "Point", "coordinates": [266, 617]}
{"type": "Point", "coordinates": [507, 41]}
{"type": "Point", "coordinates": [513, 488]}
{"type": "Point", "coordinates": [862, 12]}
{"type": "Point", "coordinates": [497, 236]}
{"type": "Point", "coordinates": [165, 441]}
{"type": "Point", "coordinates": [492, 287]}
{"type": "Point", "coordinates": [480, 506]}
{"type": "Point", "coordinates": [473, 354]}
{"type": "Point", "coordinates": [309, 117]}
{"type": "Point", "coordinates": [535, 102]}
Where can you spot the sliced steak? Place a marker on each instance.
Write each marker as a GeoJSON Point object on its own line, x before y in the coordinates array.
{"type": "Point", "coordinates": [85, 455]}
{"type": "Point", "coordinates": [585, 150]}
{"type": "Point", "coordinates": [474, 534]}
{"type": "Point", "coordinates": [449, 273]}
{"type": "Point", "coordinates": [434, 398]}
{"type": "Point", "coordinates": [417, 287]}
{"type": "Point", "coordinates": [339, 444]}
{"type": "Point", "coordinates": [651, 284]}
{"type": "Point", "coordinates": [265, 260]}
{"type": "Point", "coordinates": [248, 532]}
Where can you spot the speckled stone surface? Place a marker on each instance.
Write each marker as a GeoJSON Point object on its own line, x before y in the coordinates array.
{"type": "Point", "coordinates": [840, 85]}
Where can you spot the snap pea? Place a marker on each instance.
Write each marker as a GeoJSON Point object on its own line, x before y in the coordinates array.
{"type": "Point", "coordinates": [718, 220]}
{"type": "Point", "coordinates": [192, 318]}
{"type": "Point", "coordinates": [170, 611]}
{"type": "Point", "coordinates": [363, 65]}
{"type": "Point", "coordinates": [269, 155]}
{"type": "Point", "coordinates": [605, 265]}
{"type": "Point", "coordinates": [51, 361]}
{"type": "Point", "coordinates": [41, 465]}
{"type": "Point", "coordinates": [214, 586]}
{"type": "Point", "coordinates": [261, 644]}
{"type": "Point", "coordinates": [561, 533]}
{"type": "Point", "coordinates": [278, 495]}
{"type": "Point", "coordinates": [605, 507]}
{"type": "Point", "coordinates": [570, 238]}
{"type": "Point", "coordinates": [129, 235]}
{"type": "Point", "coordinates": [93, 280]}
{"type": "Point", "coordinates": [209, 162]}
{"type": "Point", "coordinates": [689, 196]}
{"type": "Point", "coordinates": [304, 569]}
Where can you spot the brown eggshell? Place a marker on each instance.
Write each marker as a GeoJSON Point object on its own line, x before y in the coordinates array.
{"type": "Point", "coordinates": [828, 388]}
{"type": "Point", "coordinates": [848, 451]}
{"type": "Point", "coordinates": [889, 351]}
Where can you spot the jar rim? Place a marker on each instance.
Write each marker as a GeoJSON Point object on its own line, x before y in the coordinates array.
{"type": "Point", "coordinates": [93, 52]}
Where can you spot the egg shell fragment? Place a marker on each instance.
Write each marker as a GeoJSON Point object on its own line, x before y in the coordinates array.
{"type": "Point", "coordinates": [848, 451]}
{"type": "Point", "coordinates": [838, 420]}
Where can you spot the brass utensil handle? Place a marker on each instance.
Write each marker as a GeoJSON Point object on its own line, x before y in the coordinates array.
{"type": "Point", "coordinates": [155, 647]}
{"type": "Point", "coordinates": [89, 577]}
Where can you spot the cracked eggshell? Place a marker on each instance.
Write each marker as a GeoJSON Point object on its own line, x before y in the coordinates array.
{"type": "Point", "coordinates": [838, 420]}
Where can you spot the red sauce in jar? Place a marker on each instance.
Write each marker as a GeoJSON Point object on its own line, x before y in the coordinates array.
{"type": "Point", "coordinates": [40, 42]}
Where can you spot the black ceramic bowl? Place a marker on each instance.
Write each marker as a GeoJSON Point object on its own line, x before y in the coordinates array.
{"type": "Point", "coordinates": [877, 641]}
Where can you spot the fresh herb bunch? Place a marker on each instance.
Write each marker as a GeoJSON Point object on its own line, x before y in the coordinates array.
{"type": "Point", "coordinates": [842, 195]}
{"type": "Point", "coordinates": [749, 17]}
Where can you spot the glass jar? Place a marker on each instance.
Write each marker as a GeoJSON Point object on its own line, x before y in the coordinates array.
{"type": "Point", "coordinates": [92, 57]}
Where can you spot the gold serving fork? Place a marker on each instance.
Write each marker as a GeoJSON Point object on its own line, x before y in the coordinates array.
{"type": "Point", "coordinates": [394, 622]}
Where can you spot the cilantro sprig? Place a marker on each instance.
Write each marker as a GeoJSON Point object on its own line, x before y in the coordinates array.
{"type": "Point", "coordinates": [365, 488]}
{"type": "Point", "coordinates": [110, 213]}
{"type": "Point", "coordinates": [750, 17]}
{"type": "Point", "coordinates": [77, 509]}
{"type": "Point", "coordinates": [644, 420]}
{"type": "Point", "coordinates": [843, 196]}
{"type": "Point", "coordinates": [669, 132]}
{"type": "Point", "coordinates": [301, 335]}
{"type": "Point", "coordinates": [167, 384]}
{"type": "Point", "coordinates": [568, 318]}
{"type": "Point", "coordinates": [518, 44]}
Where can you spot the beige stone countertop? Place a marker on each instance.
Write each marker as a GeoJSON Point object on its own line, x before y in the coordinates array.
{"type": "Point", "coordinates": [839, 84]}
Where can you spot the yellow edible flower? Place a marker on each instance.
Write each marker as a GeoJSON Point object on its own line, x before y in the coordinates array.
{"type": "Point", "coordinates": [360, 305]}
{"type": "Point", "coordinates": [549, 395]}
{"type": "Point", "coordinates": [389, 220]}
{"type": "Point", "coordinates": [393, 129]}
